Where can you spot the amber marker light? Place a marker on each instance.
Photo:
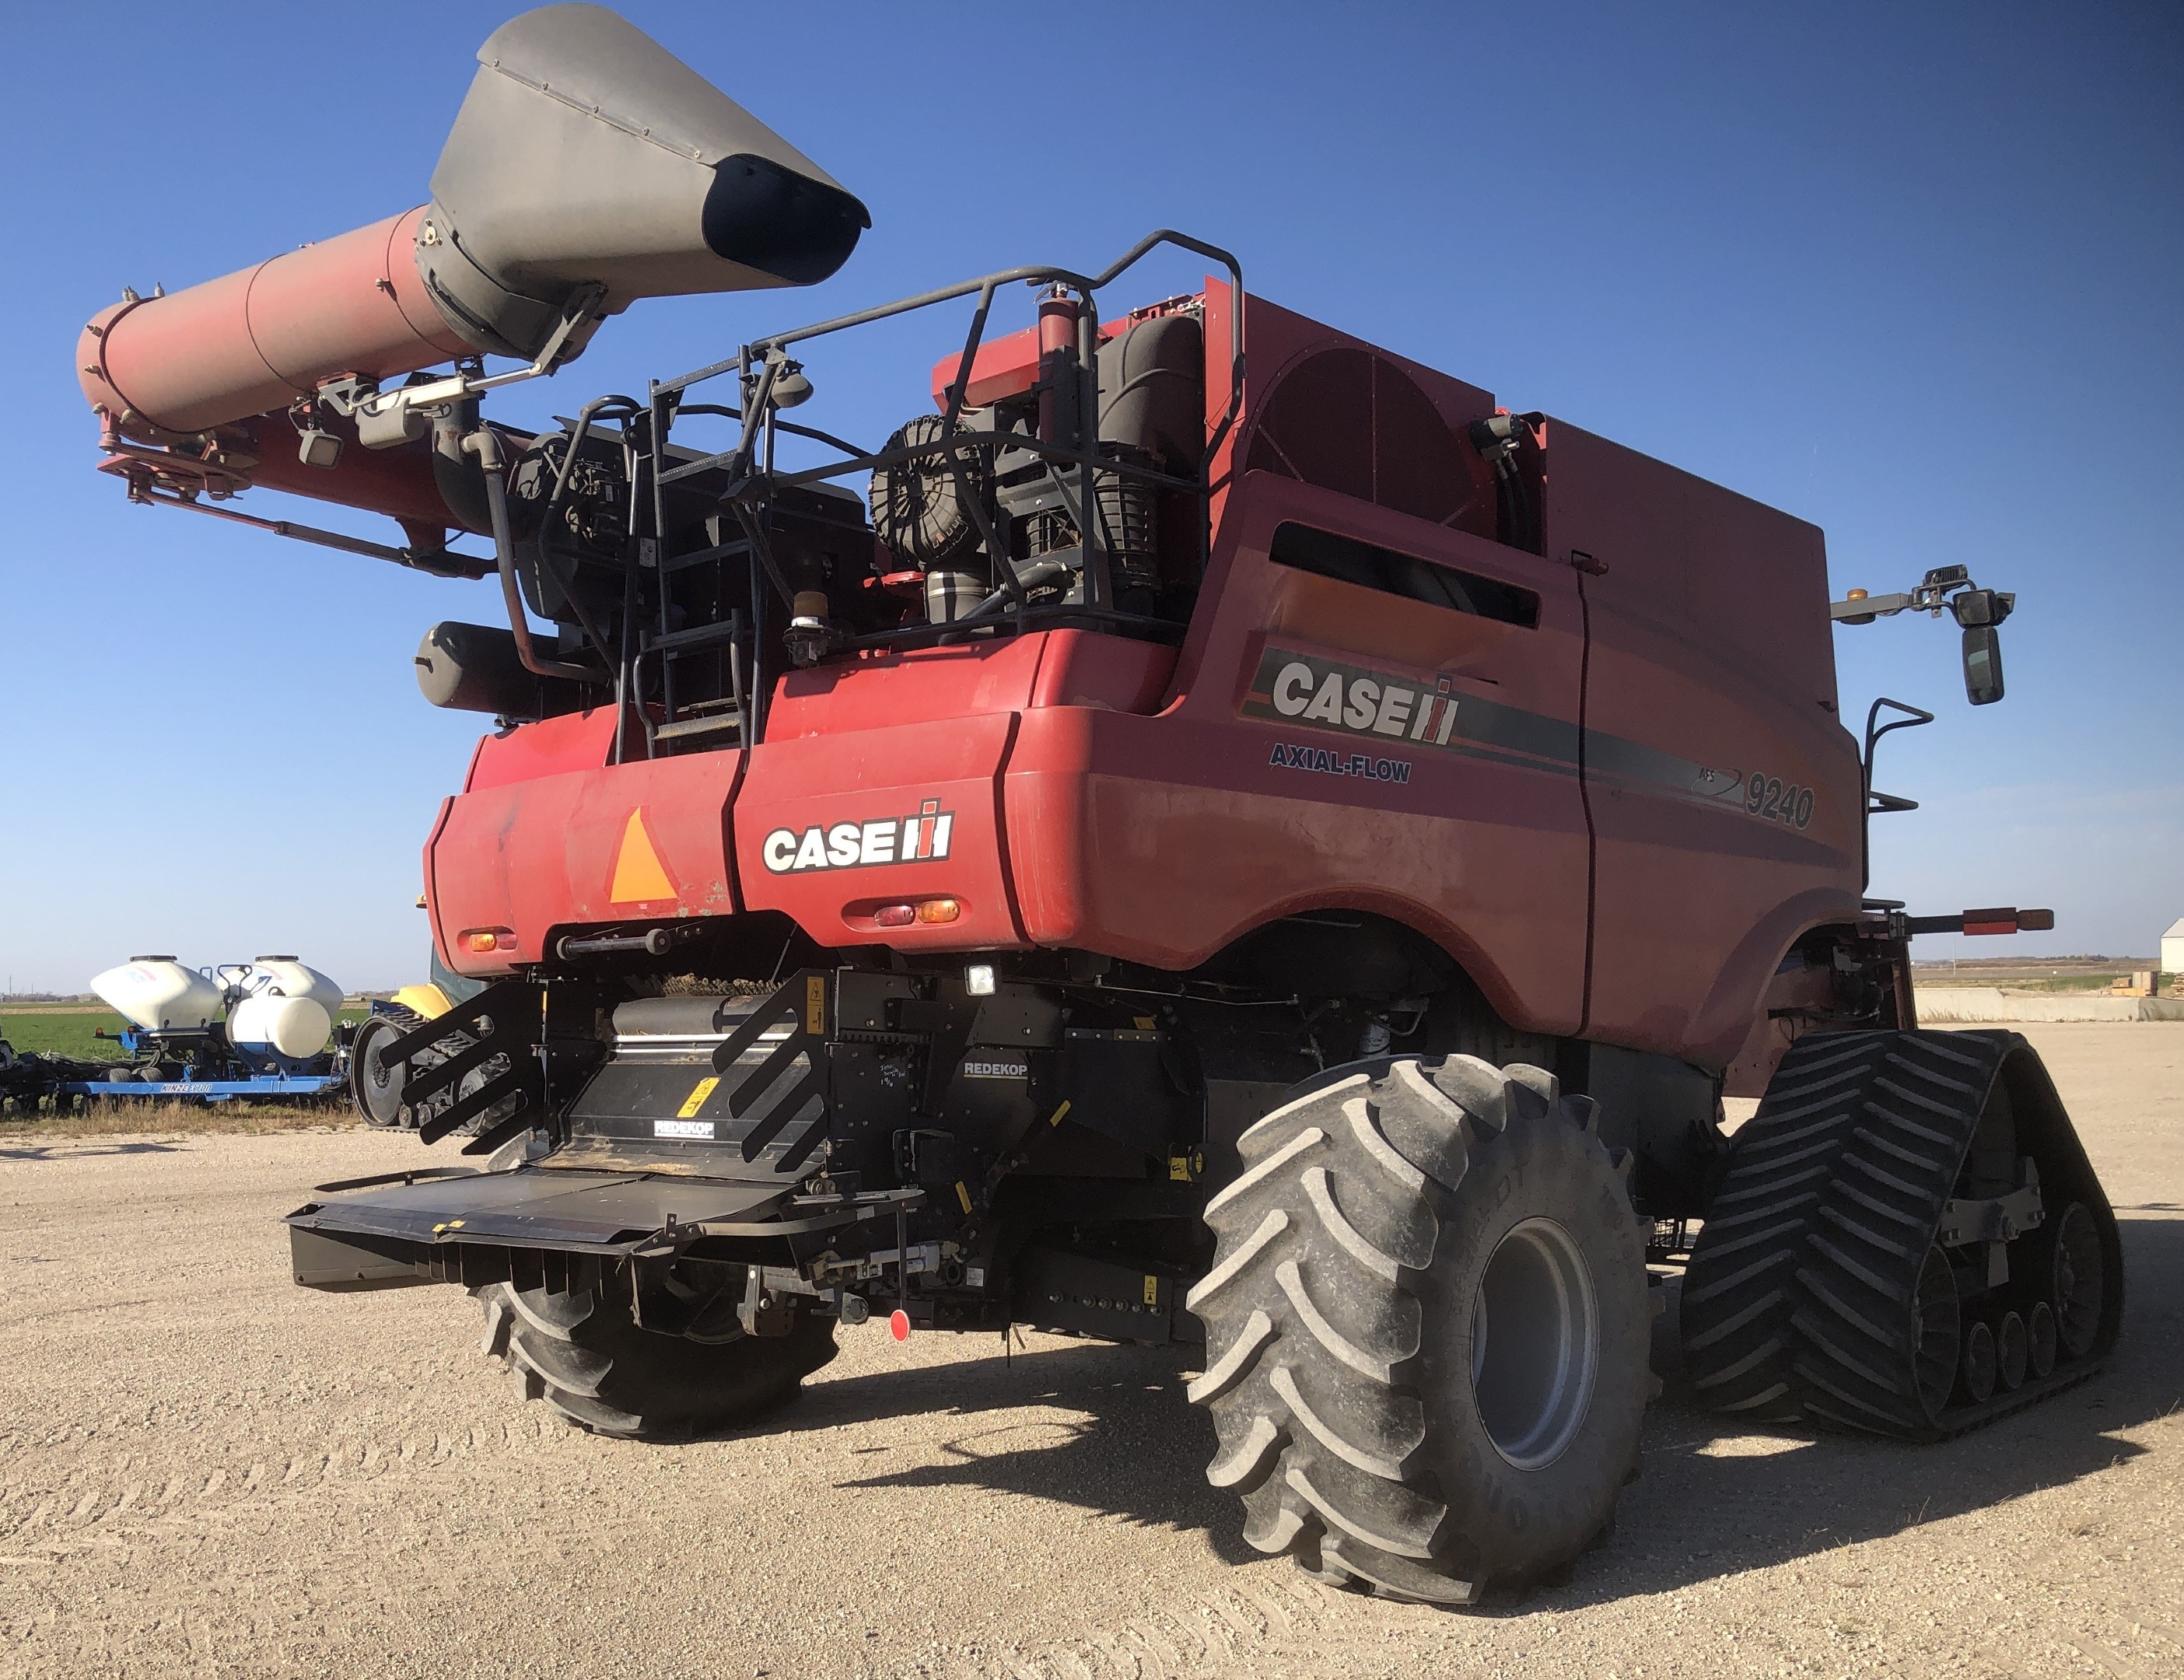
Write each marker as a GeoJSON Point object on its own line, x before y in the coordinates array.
{"type": "Point", "coordinates": [930, 910]}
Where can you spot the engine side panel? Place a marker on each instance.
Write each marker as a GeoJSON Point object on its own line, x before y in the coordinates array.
{"type": "Point", "coordinates": [1160, 839]}
{"type": "Point", "coordinates": [1724, 792]}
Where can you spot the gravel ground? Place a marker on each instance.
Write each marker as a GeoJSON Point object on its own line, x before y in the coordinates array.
{"type": "Point", "coordinates": [204, 1469]}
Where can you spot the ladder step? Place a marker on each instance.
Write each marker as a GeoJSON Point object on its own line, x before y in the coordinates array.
{"type": "Point", "coordinates": [683, 728]}
{"type": "Point", "coordinates": [698, 635]}
{"type": "Point", "coordinates": [724, 551]}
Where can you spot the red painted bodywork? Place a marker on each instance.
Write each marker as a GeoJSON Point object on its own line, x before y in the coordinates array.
{"type": "Point", "coordinates": [1708, 641]}
{"type": "Point", "coordinates": [1108, 794]}
{"type": "Point", "coordinates": [531, 842]}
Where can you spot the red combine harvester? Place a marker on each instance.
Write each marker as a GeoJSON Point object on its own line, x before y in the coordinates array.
{"type": "Point", "coordinates": [1235, 836]}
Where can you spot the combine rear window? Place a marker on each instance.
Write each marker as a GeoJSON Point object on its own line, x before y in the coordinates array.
{"type": "Point", "coordinates": [1351, 561]}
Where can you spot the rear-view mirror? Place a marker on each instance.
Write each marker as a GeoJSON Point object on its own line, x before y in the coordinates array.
{"type": "Point", "coordinates": [1982, 663]}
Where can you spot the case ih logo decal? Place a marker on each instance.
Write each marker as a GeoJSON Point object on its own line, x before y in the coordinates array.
{"type": "Point", "coordinates": [1380, 708]}
{"type": "Point", "coordinates": [1320, 694]}
{"type": "Point", "coordinates": [923, 838]}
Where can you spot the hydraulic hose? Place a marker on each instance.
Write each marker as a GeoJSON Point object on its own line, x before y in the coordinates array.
{"type": "Point", "coordinates": [1495, 439]}
{"type": "Point", "coordinates": [1034, 574]}
{"type": "Point", "coordinates": [485, 444]}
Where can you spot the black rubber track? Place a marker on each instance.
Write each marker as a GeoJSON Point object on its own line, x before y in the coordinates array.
{"type": "Point", "coordinates": [1799, 1300]}
{"type": "Point", "coordinates": [378, 1100]}
{"type": "Point", "coordinates": [1338, 1315]}
{"type": "Point", "coordinates": [584, 1355]}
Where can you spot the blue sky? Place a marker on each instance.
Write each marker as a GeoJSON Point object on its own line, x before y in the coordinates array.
{"type": "Point", "coordinates": [1911, 273]}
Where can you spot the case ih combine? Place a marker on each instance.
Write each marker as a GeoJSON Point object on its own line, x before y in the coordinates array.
{"type": "Point", "coordinates": [1227, 833]}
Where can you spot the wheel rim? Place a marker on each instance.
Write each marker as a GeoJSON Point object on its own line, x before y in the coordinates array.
{"type": "Point", "coordinates": [2079, 1280]}
{"type": "Point", "coordinates": [1535, 1344]}
{"type": "Point", "coordinates": [1935, 1321]}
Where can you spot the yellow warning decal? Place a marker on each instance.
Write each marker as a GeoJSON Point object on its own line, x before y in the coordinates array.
{"type": "Point", "coordinates": [1056, 1118]}
{"type": "Point", "coordinates": [1178, 1168]}
{"type": "Point", "coordinates": [696, 1099]}
{"type": "Point", "coordinates": [638, 874]}
{"type": "Point", "coordinates": [815, 1005]}
{"type": "Point", "coordinates": [963, 1195]}
{"type": "Point", "coordinates": [1152, 1290]}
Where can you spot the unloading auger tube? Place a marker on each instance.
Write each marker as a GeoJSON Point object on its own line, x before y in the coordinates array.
{"type": "Point", "coordinates": [1166, 849]}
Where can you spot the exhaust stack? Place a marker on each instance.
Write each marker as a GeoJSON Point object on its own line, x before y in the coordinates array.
{"type": "Point", "coordinates": [587, 168]}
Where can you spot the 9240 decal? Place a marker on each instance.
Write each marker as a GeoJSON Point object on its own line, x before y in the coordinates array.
{"type": "Point", "coordinates": [1774, 800]}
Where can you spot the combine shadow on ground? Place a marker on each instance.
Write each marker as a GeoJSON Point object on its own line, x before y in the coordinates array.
{"type": "Point", "coordinates": [1132, 1446]}
{"type": "Point", "coordinates": [72, 1149]}
{"type": "Point", "coordinates": [1717, 1497]}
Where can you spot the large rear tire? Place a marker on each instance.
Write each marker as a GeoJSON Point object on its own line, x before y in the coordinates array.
{"type": "Point", "coordinates": [1427, 1328]}
{"type": "Point", "coordinates": [583, 1353]}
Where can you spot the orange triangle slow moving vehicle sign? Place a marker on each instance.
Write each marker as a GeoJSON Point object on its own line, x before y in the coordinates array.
{"type": "Point", "coordinates": [637, 874]}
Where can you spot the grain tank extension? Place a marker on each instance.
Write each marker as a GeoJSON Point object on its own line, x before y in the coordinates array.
{"type": "Point", "coordinates": [1211, 831]}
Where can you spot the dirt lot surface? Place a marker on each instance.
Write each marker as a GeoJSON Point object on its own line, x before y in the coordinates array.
{"type": "Point", "coordinates": [204, 1469]}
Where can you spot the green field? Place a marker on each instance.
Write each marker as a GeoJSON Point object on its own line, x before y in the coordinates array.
{"type": "Point", "coordinates": [57, 1030]}
{"type": "Point", "coordinates": [2028, 977]}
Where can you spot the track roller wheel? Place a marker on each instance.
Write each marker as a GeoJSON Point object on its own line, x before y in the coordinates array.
{"type": "Point", "coordinates": [1937, 1335]}
{"type": "Point", "coordinates": [1427, 1328]}
{"type": "Point", "coordinates": [1980, 1365]}
{"type": "Point", "coordinates": [2040, 1338]}
{"type": "Point", "coordinates": [582, 1354]}
{"type": "Point", "coordinates": [2070, 1273]}
{"type": "Point", "coordinates": [2011, 1351]}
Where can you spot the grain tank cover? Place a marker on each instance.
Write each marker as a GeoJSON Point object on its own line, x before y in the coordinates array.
{"type": "Point", "coordinates": [586, 154]}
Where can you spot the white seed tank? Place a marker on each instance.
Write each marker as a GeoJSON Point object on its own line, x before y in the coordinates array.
{"type": "Point", "coordinates": [269, 1024]}
{"type": "Point", "coordinates": [284, 1008]}
{"type": "Point", "coordinates": [157, 992]}
{"type": "Point", "coordinates": [293, 979]}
